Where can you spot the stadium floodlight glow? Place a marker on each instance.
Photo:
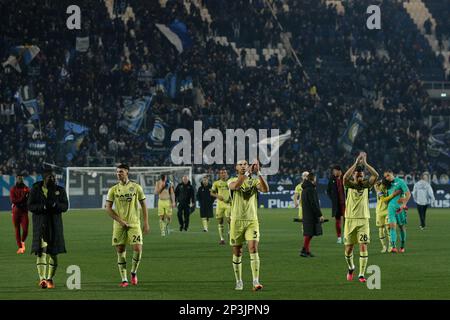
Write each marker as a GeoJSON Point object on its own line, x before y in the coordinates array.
{"type": "Point", "coordinates": [443, 94]}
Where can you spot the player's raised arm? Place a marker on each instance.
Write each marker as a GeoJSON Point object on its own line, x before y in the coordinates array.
{"type": "Point", "coordinates": [348, 174]}
{"type": "Point", "coordinates": [244, 171]}
{"type": "Point", "coordinates": [373, 173]}
{"type": "Point", "coordinates": [262, 186]}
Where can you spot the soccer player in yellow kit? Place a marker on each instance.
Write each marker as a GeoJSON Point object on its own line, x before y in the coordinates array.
{"type": "Point", "coordinates": [298, 196]}
{"type": "Point", "coordinates": [357, 214]}
{"type": "Point", "coordinates": [126, 195]}
{"type": "Point", "coordinates": [244, 224]}
{"type": "Point", "coordinates": [221, 192]}
{"type": "Point", "coordinates": [166, 201]}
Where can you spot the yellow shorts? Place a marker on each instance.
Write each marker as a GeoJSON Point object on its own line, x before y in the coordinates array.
{"type": "Point", "coordinates": [243, 230]}
{"type": "Point", "coordinates": [382, 219]}
{"type": "Point", "coordinates": [122, 236]}
{"type": "Point", "coordinates": [164, 207]}
{"type": "Point", "coordinates": [223, 212]}
{"type": "Point", "coordinates": [356, 231]}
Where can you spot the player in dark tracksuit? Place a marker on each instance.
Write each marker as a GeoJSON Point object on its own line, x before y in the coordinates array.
{"type": "Point", "coordinates": [19, 197]}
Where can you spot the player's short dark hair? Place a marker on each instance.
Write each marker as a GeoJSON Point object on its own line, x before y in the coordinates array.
{"type": "Point", "coordinates": [359, 168]}
{"type": "Point", "coordinates": [310, 176]}
{"type": "Point", "coordinates": [223, 169]}
{"type": "Point", "coordinates": [123, 166]}
{"type": "Point", "coordinates": [162, 176]}
{"type": "Point", "coordinates": [336, 167]}
{"type": "Point", "coordinates": [47, 172]}
{"type": "Point", "coordinates": [388, 171]}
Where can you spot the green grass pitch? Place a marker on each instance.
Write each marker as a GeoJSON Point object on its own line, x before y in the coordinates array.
{"type": "Point", "coordinates": [192, 265]}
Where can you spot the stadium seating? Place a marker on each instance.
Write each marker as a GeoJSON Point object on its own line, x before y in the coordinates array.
{"type": "Point", "coordinates": [351, 68]}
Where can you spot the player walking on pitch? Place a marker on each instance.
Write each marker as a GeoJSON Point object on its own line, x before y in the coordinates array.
{"type": "Point", "coordinates": [166, 201]}
{"type": "Point", "coordinates": [19, 197]}
{"type": "Point", "coordinates": [244, 224]}
{"type": "Point", "coordinates": [357, 214]}
{"type": "Point", "coordinates": [220, 191]}
{"type": "Point", "coordinates": [126, 195]}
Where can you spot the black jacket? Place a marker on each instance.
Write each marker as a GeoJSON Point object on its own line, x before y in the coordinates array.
{"type": "Point", "coordinates": [47, 220]}
{"type": "Point", "coordinates": [310, 203]}
{"type": "Point", "coordinates": [333, 194]}
{"type": "Point", "coordinates": [184, 194]}
{"type": "Point", "coordinates": [206, 201]}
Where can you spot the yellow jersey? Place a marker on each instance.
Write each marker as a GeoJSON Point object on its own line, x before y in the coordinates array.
{"type": "Point", "coordinates": [220, 187]}
{"type": "Point", "coordinates": [244, 202]}
{"type": "Point", "coordinates": [126, 199]}
{"type": "Point", "coordinates": [357, 201]}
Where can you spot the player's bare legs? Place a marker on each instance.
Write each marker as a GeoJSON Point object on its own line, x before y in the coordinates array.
{"type": "Point", "coordinates": [349, 259]}
{"type": "Point", "coordinates": [363, 257]}
{"type": "Point", "coordinates": [237, 267]}
{"type": "Point", "coordinates": [122, 264]}
{"type": "Point", "coordinates": [167, 220]}
{"type": "Point", "coordinates": [162, 224]}
{"type": "Point", "coordinates": [137, 256]}
{"type": "Point", "coordinates": [254, 263]}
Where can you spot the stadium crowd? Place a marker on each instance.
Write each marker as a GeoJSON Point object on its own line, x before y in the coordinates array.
{"type": "Point", "coordinates": [377, 73]}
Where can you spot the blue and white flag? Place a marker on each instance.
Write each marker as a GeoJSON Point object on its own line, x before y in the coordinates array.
{"type": "Point", "coordinates": [30, 109]}
{"type": "Point", "coordinates": [74, 134]}
{"type": "Point", "coordinates": [21, 56]}
{"type": "Point", "coordinates": [28, 104]}
{"type": "Point", "coordinates": [177, 34]}
{"type": "Point", "coordinates": [355, 126]}
{"type": "Point", "coordinates": [134, 113]}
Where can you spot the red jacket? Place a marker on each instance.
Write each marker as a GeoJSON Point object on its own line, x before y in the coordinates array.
{"type": "Point", "coordinates": [19, 197]}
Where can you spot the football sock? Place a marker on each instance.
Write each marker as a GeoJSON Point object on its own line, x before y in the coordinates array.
{"type": "Point", "coordinates": [237, 267]}
{"type": "Point", "coordinates": [349, 260]}
{"type": "Point", "coordinates": [162, 226]}
{"type": "Point", "coordinates": [363, 257]}
{"type": "Point", "coordinates": [137, 255]}
{"type": "Point", "coordinates": [393, 234]}
{"type": "Point", "coordinates": [41, 265]}
{"type": "Point", "coordinates": [402, 237]}
{"type": "Point", "coordinates": [306, 242]}
{"type": "Point", "coordinates": [221, 227]}
{"type": "Point", "coordinates": [122, 264]}
{"type": "Point", "coordinates": [387, 233]}
{"type": "Point", "coordinates": [205, 223]}
{"type": "Point", "coordinates": [338, 228]}
{"type": "Point", "coordinates": [254, 264]}
{"type": "Point", "coordinates": [382, 236]}
{"type": "Point", "coordinates": [52, 266]}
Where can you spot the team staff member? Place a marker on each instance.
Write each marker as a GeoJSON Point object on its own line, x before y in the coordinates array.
{"type": "Point", "coordinates": [185, 199]}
